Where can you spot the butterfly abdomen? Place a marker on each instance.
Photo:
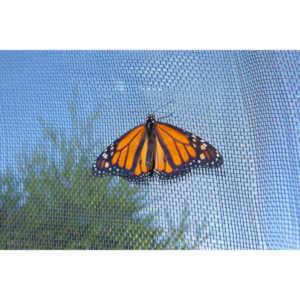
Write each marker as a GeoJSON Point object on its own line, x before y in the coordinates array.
{"type": "Point", "coordinates": [150, 129]}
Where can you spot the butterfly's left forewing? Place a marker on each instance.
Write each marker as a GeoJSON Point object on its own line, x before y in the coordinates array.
{"type": "Point", "coordinates": [125, 157]}
{"type": "Point", "coordinates": [177, 151]}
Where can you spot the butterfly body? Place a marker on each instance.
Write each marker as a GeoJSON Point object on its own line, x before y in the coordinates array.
{"type": "Point", "coordinates": [150, 125]}
{"type": "Point", "coordinates": [156, 147]}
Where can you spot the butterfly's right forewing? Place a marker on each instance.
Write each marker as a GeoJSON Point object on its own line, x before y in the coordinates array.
{"type": "Point", "coordinates": [179, 150]}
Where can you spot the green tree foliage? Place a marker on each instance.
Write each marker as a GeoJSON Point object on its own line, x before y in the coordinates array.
{"type": "Point", "coordinates": [56, 203]}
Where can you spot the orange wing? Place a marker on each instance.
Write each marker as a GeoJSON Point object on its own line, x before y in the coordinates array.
{"type": "Point", "coordinates": [125, 157]}
{"type": "Point", "coordinates": [141, 169]}
{"type": "Point", "coordinates": [177, 151]}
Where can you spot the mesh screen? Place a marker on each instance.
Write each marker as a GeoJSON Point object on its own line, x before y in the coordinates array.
{"type": "Point", "coordinates": [245, 103]}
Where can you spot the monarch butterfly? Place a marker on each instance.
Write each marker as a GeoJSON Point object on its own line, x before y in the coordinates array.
{"type": "Point", "coordinates": [155, 147]}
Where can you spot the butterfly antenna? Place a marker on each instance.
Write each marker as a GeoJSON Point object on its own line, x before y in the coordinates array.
{"type": "Point", "coordinates": [165, 117]}
{"type": "Point", "coordinates": [157, 110]}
